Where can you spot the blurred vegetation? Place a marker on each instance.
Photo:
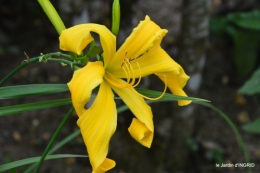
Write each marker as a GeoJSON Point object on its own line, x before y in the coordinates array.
{"type": "Point", "coordinates": [244, 29]}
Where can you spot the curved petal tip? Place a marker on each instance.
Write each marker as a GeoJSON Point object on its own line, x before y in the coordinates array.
{"type": "Point", "coordinates": [105, 166]}
{"type": "Point", "coordinates": [141, 133]}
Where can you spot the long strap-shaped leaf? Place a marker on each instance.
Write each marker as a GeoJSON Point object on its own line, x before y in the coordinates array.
{"type": "Point", "coordinates": [29, 90]}
{"type": "Point", "coordinates": [4, 111]}
{"type": "Point", "coordinates": [38, 89]}
{"type": "Point", "coordinates": [18, 163]}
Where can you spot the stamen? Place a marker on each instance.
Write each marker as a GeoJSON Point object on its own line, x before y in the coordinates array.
{"type": "Point", "coordinates": [127, 74]}
{"type": "Point", "coordinates": [131, 71]}
{"type": "Point", "coordinates": [113, 81]}
{"type": "Point", "coordinates": [140, 74]}
{"type": "Point", "coordinates": [157, 98]}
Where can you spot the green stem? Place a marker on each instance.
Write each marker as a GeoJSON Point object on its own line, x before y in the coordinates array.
{"type": "Point", "coordinates": [72, 64]}
{"type": "Point", "coordinates": [23, 64]}
{"type": "Point", "coordinates": [232, 125]}
{"type": "Point", "coordinates": [53, 139]}
{"type": "Point", "coordinates": [43, 58]}
{"type": "Point", "coordinates": [58, 54]}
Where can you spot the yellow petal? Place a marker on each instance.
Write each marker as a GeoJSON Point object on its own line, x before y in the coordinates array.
{"type": "Point", "coordinates": [105, 166]}
{"type": "Point", "coordinates": [175, 83]}
{"type": "Point", "coordinates": [141, 110]}
{"type": "Point", "coordinates": [83, 82]}
{"type": "Point", "coordinates": [140, 133]}
{"type": "Point", "coordinates": [97, 126]}
{"type": "Point", "coordinates": [143, 37]}
{"type": "Point", "coordinates": [76, 38]}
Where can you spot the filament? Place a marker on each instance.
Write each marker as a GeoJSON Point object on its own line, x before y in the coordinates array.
{"type": "Point", "coordinates": [130, 74]}
{"type": "Point", "coordinates": [140, 74]}
{"type": "Point", "coordinates": [157, 98]}
{"type": "Point", "coordinates": [127, 74]}
{"type": "Point", "coordinates": [129, 71]}
{"type": "Point", "coordinates": [113, 81]}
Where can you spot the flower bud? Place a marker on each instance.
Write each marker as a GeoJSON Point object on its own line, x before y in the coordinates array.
{"type": "Point", "coordinates": [52, 15]}
{"type": "Point", "coordinates": [115, 17]}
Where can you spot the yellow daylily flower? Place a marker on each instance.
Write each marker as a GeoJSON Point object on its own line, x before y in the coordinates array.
{"type": "Point", "coordinates": [121, 71]}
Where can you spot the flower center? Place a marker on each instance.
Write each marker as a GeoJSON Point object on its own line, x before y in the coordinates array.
{"type": "Point", "coordinates": [130, 74]}
{"type": "Point", "coordinates": [129, 71]}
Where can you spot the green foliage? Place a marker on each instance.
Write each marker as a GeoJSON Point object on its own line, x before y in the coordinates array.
{"type": "Point", "coordinates": [252, 86]}
{"type": "Point", "coordinates": [248, 20]}
{"type": "Point", "coordinates": [232, 125]}
{"type": "Point", "coordinates": [192, 144]}
{"type": "Point", "coordinates": [18, 163]}
{"type": "Point", "coordinates": [8, 160]}
{"type": "Point", "coordinates": [56, 147]}
{"type": "Point", "coordinates": [216, 156]}
{"type": "Point", "coordinates": [253, 127]}
{"type": "Point", "coordinates": [244, 28]}
{"type": "Point", "coordinates": [29, 90]}
{"type": "Point", "coordinates": [219, 25]}
{"type": "Point", "coordinates": [245, 50]}
{"type": "Point", "coordinates": [9, 110]}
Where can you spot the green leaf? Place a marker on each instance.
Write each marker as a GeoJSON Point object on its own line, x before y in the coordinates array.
{"type": "Point", "coordinates": [253, 127]}
{"type": "Point", "coordinates": [94, 51]}
{"type": "Point", "coordinates": [248, 20]}
{"type": "Point", "coordinates": [246, 46]}
{"type": "Point", "coordinates": [54, 137]}
{"type": "Point", "coordinates": [218, 25]}
{"type": "Point", "coordinates": [252, 86]}
{"type": "Point", "coordinates": [235, 130]}
{"type": "Point", "coordinates": [192, 144]}
{"type": "Point", "coordinates": [29, 90]}
{"type": "Point", "coordinates": [4, 111]}
{"type": "Point", "coordinates": [18, 163]}
{"type": "Point", "coordinates": [56, 147]}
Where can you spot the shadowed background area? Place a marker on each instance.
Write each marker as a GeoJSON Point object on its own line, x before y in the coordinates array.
{"type": "Point", "coordinates": [187, 139]}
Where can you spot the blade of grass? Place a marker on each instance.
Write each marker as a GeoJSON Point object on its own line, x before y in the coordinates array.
{"type": "Point", "coordinates": [29, 90]}
{"type": "Point", "coordinates": [56, 147]}
{"type": "Point", "coordinates": [23, 64]}
{"type": "Point", "coordinates": [69, 138]}
{"type": "Point", "coordinates": [18, 163]}
{"type": "Point", "coordinates": [57, 132]}
{"type": "Point", "coordinates": [232, 125]}
{"type": "Point", "coordinates": [4, 111]}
